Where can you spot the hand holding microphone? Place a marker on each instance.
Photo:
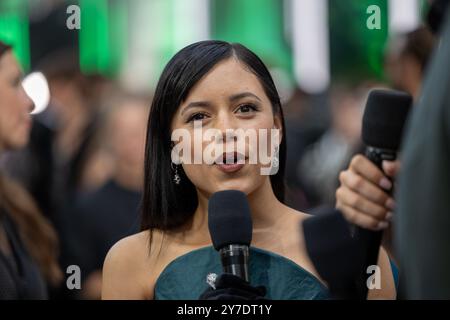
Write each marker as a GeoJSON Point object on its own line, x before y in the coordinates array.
{"type": "Point", "coordinates": [369, 189]}
{"type": "Point", "coordinates": [363, 196]}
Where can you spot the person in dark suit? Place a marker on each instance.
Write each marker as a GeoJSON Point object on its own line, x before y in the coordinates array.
{"type": "Point", "coordinates": [423, 217]}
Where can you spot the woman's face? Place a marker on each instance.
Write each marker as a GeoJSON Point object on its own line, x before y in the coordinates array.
{"type": "Point", "coordinates": [227, 97]}
{"type": "Point", "coordinates": [15, 105]}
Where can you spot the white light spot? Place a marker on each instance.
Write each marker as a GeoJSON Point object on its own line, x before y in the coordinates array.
{"type": "Point", "coordinates": [36, 87]}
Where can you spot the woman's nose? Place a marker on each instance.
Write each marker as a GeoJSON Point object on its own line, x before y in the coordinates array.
{"type": "Point", "coordinates": [226, 124]}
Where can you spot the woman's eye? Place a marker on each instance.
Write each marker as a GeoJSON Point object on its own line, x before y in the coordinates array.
{"type": "Point", "coordinates": [197, 117]}
{"type": "Point", "coordinates": [245, 108]}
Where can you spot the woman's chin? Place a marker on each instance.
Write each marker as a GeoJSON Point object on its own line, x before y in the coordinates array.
{"type": "Point", "coordinates": [240, 184]}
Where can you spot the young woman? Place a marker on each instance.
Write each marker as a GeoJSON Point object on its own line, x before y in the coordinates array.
{"type": "Point", "coordinates": [27, 241]}
{"type": "Point", "coordinates": [225, 86]}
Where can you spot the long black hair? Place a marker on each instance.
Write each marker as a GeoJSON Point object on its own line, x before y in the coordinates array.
{"type": "Point", "coordinates": [166, 205]}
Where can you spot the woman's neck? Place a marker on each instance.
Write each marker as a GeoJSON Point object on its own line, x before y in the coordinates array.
{"type": "Point", "coordinates": [266, 210]}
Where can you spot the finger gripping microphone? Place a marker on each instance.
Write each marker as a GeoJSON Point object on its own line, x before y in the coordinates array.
{"type": "Point", "coordinates": [382, 130]}
{"type": "Point", "coordinates": [230, 227]}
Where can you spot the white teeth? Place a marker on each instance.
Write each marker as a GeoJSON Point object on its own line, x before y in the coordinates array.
{"type": "Point", "coordinates": [230, 159]}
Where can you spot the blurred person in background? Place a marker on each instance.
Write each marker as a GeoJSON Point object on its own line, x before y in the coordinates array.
{"type": "Point", "coordinates": [28, 243]}
{"type": "Point", "coordinates": [63, 157]}
{"type": "Point", "coordinates": [57, 162]}
{"type": "Point", "coordinates": [74, 106]}
{"type": "Point", "coordinates": [407, 59]}
{"type": "Point", "coordinates": [320, 166]}
{"type": "Point", "coordinates": [302, 130]}
{"type": "Point", "coordinates": [104, 216]}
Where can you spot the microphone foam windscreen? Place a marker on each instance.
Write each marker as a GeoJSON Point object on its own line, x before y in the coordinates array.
{"type": "Point", "coordinates": [229, 219]}
{"type": "Point", "coordinates": [330, 247]}
{"type": "Point", "coordinates": [384, 118]}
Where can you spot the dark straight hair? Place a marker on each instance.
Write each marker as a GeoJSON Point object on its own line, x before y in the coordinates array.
{"type": "Point", "coordinates": [166, 205]}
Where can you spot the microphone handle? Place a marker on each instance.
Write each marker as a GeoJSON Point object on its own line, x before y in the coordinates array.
{"type": "Point", "coordinates": [369, 240]}
{"type": "Point", "coordinates": [235, 258]}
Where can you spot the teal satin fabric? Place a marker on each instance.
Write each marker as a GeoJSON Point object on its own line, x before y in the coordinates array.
{"type": "Point", "coordinates": [185, 277]}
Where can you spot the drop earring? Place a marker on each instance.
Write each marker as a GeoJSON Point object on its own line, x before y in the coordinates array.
{"type": "Point", "coordinates": [275, 158]}
{"type": "Point", "coordinates": [176, 176]}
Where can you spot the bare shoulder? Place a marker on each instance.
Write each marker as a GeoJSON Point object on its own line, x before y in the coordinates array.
{"type": "Point", "coordinates": [127, 270]}
{"type": "Point", "coordinates": [295, 217]}
{"type": "Point", "coordinates": [291, 242]}
{"type": "Point", "coordinates": [289, 225]}
{"type": "Point", "coordinates": [387, 290]}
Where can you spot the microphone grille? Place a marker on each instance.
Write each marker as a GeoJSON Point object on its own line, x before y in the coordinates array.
{"type": "Point", "coordinates": [229, 219]}
{"type": "Point", "coordinates": [384, 118]}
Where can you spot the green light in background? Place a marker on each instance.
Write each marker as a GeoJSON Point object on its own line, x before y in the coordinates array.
{"type": "Point", "coordinates": [14, 29]}
{"type": "Point", "coordinates": [162, 32]}
{"type": "Point", "coordinates": [356, 52]}
{"type": "Point", "coordinates": [424, 7]}
{"type": "Point", "coordinates": [160, 28]}
{"type": "Point", "coordinates": [257, 24]}
{"type": "Point", "coordinates": [102, 36]}
{"type": "Point", "coordinates": [94, 36]}
{"type": "Point", "coordinates": [118, 17]}
{"type": "Point", "coordinates": [375, 46]}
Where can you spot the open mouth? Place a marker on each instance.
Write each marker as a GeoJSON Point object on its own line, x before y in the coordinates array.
{"type": "Point", "coordinates": [230, 161]}
{"type": "Point", "coordinates": [231, 158]}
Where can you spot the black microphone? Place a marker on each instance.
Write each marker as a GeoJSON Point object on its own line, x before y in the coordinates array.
{"type": "Point", "coordinates": [230, 226]}
{"type": "Point", "coordinates": [333, 251]}
{"type": "Point", "coordinates": [382, 130]}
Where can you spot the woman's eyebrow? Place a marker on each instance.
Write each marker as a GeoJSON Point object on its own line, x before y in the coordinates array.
{"type": "Point", "coordinates": [232, 98]}
{"type": "Point", "coordinates": [243, 95]}
{"type": "Point", "coordinates": [195, 104]}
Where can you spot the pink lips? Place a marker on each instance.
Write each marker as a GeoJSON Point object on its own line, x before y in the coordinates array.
{"type": "Point", "coordinates": [231, 165]}
{"type": "Point", "coordinates": [228, 168]}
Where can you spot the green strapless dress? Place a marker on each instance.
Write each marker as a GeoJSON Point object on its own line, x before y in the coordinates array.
{"type": "Point", "coordinates": [185, 277]}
